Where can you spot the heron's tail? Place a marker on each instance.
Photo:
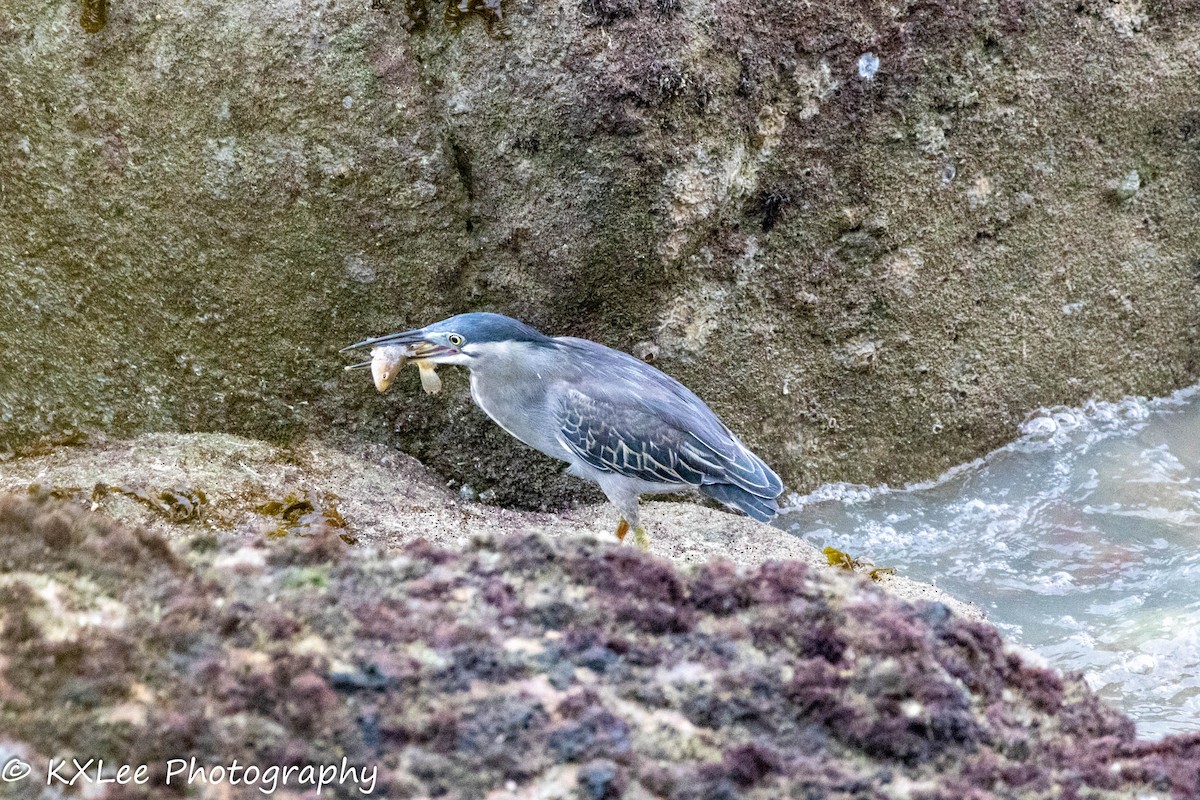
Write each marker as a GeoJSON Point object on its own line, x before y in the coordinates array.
{"type": "Point", "coordinates": [761, 508]}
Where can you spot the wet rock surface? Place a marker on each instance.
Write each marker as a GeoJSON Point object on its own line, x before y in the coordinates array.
{"type": "Point", "coordinates": [523, 666]}
{"type": "Point", "coordinates": [873, 237]}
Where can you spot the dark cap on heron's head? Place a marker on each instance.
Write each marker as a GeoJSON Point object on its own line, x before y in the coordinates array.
{"type": "Point", "coordinates": [483, 327]}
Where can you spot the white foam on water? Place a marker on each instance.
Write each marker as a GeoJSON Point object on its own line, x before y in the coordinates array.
{"type": "Point", "coordinates": [1081, 540]}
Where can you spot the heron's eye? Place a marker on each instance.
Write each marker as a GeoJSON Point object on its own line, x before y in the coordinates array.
{"type": "Point", "coordinates": [456, 340]}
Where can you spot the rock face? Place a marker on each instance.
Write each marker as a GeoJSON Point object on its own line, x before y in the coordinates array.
{"type": "Point", "coordinates": [871, 236]}
{"type": "Point", "coordinates": [526, 667]}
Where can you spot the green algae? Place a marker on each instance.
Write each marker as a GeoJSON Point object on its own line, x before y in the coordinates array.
{"type": "Point", "coordinates": [457, 13]}
{"type": "Point", "coordinates": [842, 560]}
{"type": "Point", "coordinates": [176, 504]}
{"type": "Point", "coordinates": [94, 15]}
{"type": "Point", "coordinates": [837, 558]}
{"type": "Point", "coordinates": [305, 514]}
{"type": "Point", "coordinates": [312, 577]}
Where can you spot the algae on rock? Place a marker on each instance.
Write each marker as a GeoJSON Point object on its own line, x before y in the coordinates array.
{"type": "Point", "coordinates": [524, 665]}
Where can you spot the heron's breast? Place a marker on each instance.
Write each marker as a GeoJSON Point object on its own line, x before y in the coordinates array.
{"type": "Point", "coordinates": [521, 408]}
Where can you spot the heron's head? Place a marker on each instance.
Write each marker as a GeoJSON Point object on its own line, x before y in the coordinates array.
{"type": "Point", "coordinates": [464, 339]}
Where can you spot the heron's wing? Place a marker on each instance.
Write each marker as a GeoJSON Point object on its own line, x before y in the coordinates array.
{"type": "Point", "coordinates": [636, 439]}
{"type": "Point", "coordinates": [738, 466]}
{"type": "Point", "coordinates": [625, 439]}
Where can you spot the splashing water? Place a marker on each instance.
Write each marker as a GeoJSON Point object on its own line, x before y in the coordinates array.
{"type": "Point", "coordinates": [1080, 540]}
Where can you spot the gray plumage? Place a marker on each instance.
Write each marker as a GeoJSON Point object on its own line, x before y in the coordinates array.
{"type": "Point", "coordinates": [615, 419]}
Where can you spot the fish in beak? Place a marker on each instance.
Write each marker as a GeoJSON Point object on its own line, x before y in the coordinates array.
{"type": "Point", "coordinates": [389, 355]}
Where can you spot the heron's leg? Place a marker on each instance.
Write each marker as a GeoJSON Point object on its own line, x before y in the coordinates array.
{"type": "Point", "coordinates": [640, 538]}
{"type": "Point", "coordinates": [624, 498]}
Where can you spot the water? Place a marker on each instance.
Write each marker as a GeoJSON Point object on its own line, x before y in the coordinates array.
{"type": "Point", "coordinates": [1080, 540]}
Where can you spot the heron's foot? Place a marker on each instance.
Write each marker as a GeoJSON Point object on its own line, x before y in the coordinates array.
{"type": "Point", "coordinates": [622, 529]}
{"type": "Point", "coordinates": [640, 538]}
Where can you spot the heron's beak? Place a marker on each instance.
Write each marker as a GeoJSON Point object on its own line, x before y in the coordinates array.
{"type": "Point", "coordinates": [415, 344]}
